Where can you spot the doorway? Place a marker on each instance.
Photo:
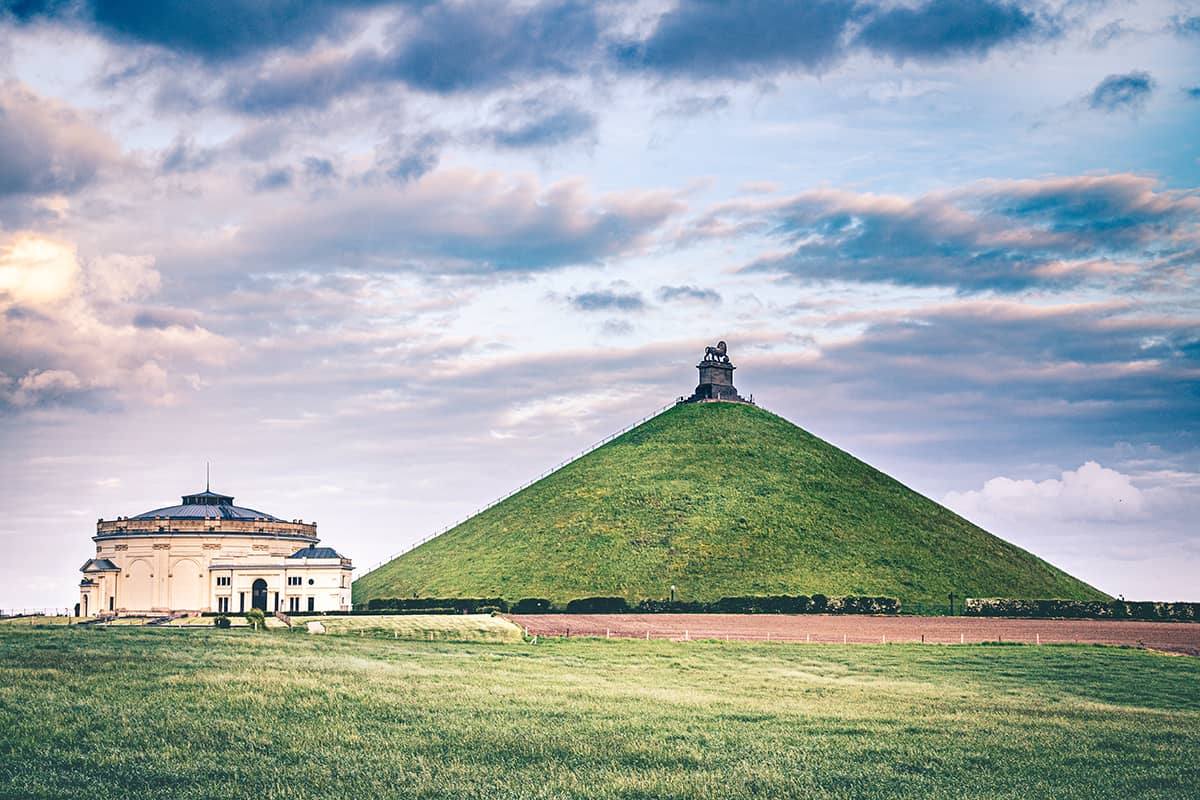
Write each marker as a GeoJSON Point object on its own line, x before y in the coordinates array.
{"type": "Point", "coordinates": [258, 596]}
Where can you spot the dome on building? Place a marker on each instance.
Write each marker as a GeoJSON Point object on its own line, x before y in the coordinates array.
{"type": "Point", "coordinates": [207, 505]}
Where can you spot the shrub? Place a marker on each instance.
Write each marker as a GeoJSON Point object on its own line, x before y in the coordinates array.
{"type": "Point", "coordinates": [533, 605]}
{"type": "Point", "coordinates": [463, 605]}
{"type": "Point", "coordinates": [799, 604]}
{"type": "Point", "coordinates": [677, 607]}
{"type": "Point", "coordinates": [736, 605]}
{"type": "Point", "coordinates": [221, 621]}
{"type": "Point", "coordinates": [598, 605]}
{"type": "Point", "coordinates": [256, 618]}
{"type": "Point", "coordinates": [869, 605]}
{"type": "Point", "coordinates": [1081, 609]}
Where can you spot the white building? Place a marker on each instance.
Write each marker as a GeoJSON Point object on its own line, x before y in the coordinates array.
{"type": "Point", "coordinates": [210, 555]}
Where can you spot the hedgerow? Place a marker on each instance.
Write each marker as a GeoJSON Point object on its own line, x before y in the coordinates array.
{"type": "Point", "coordinates": [463, 605]}
{"type": "Point", "coordinates": [1081, 609]}
{"type": "Point", "coordinates": [772, 604]}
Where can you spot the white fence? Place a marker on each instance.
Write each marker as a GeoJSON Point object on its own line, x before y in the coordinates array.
{"type": "Point", "coordinates": [7, 613]}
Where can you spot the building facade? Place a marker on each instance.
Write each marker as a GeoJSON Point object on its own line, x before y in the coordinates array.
{"type": "Point", "coordinates": [207, 554]}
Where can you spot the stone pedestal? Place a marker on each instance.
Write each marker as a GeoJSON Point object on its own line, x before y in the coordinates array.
{"type": "Point", "coordinates": [716, 378]}
{"type": "Point", "coordinates": [716, 381]}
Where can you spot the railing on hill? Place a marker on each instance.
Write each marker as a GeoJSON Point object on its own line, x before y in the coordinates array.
{"type": "Point", "coordinates": [528, 483]}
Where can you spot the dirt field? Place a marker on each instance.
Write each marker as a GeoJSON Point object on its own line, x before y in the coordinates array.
{"type": "Point", "coordinates": [1174, 637]}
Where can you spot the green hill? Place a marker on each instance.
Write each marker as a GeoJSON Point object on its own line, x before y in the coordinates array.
{"type": "Point", "coordinates": [719, 499]}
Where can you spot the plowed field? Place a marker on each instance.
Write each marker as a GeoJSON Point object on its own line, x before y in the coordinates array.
{"type": "Point", "coordinates": [1173, 637]}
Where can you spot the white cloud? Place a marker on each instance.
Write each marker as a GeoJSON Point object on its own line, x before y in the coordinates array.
{"type": "Point", "coordinates": [49, 147]}
{"type": "Point", "coordinates": [117, 278]}
{"type": "Point", "coordinates": [69, 327]}
{"type": "Point", "coordinates": [38, 384]}
{"type": "Point", "coordinates": [1091, 492]}
{"type": "Point", "coordinates": [452, 221]}
{"type": "Point", "coordinates": [35, 270]}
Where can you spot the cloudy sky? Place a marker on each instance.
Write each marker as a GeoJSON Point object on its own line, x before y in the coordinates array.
{"type": "Point", "coordinates": [380, 262]}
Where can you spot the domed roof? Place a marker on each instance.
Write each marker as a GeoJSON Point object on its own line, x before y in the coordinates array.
{"type": "Point", "coordinates": [204, 505]}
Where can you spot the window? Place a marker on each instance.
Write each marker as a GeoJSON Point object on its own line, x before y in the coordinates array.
{"type": "Point", "coordinates": [312, 604]}
{"type": "Point", "coordinates": [223, 605]}
{"type": "Point", "coordinates": [223, 580]}
{"type": "Point", "coordinates": [311, 581]}
{"type": "Point", "coordinates": [293, 604]}
{"type": "Point", "coordinates": [294, 581]}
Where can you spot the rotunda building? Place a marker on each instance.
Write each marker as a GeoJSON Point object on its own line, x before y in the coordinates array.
{"type": "Point", "coordinates": [208, 554]}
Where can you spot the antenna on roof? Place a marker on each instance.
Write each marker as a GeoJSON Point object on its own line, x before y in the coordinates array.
{"type": "Point", "coordinates": [206, 477]}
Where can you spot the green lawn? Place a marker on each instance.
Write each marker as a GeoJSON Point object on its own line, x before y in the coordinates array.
{"type": "Point", "coordinates": [40, 620]}
{"type": "Point", "coordinates": [108, 713]}
{"type": "Point", "coordinates": [444, 627]}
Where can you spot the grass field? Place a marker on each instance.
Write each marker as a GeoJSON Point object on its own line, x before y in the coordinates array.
{"type": "Point", "coordinates": [718, 499]}
{"type": "Point", "coordinates": [436, 627]}
{"type": "Point", "coordinates": [40, 620]}
{"type": "Point", "coordinates": [108, 713]}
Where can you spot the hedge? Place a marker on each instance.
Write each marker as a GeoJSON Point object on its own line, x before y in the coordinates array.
{"type": "Point", "coordinates": [598, 605]}
{"type": "Point", "coordinates": [1082, 609]}
{"type": "Point", "coordinates": [676, 607]}
{"type": "Point", "coordinates": [533, 605]}
{"type": "Point", "coordinates": [773, 604]}
{"type": "Point", "coordinates": [463, 605]}
{"type": "Point", "coordinates": [799, 604]}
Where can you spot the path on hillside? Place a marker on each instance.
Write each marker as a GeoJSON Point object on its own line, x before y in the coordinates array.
{"type": "Point", "coordinates": [1173, 637]}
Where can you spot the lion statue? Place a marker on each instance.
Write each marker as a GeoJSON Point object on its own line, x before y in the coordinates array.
{"type": "Point", "coordinates": [716, 353]}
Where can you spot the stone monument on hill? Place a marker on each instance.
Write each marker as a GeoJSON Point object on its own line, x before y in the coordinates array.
{"type": "Point", "coordinates": [716, 377]}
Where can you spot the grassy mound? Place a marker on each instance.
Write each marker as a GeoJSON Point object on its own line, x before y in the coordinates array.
{"type": "Point", "coordinates": [718, 499]}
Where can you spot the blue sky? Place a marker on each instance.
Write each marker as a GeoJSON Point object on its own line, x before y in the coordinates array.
{"type": "Point", "coordinates": [380, 262]}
